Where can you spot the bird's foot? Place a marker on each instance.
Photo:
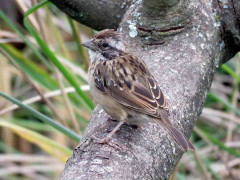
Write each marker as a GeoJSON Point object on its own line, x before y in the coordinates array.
{"type": "Point", "coordinates": [106, 141]}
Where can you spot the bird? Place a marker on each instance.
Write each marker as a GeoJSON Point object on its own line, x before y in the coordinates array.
{"type": "Point", "coordinates": [123, 85]}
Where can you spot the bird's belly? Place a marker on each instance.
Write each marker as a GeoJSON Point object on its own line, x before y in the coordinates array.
{"type": "Point", "coordinates": [137, 118]}
{"type": "Point", "coordinates": [110, 106]}
{"type": "Point", "coordinates": [115, 109]}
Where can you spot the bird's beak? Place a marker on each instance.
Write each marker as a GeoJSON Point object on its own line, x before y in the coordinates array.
{"type": "Point", "coordinates": [88, 44]}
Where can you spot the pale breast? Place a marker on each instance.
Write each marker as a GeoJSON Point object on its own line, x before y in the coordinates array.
{"type": "Point", "coordinates": [110, 106]}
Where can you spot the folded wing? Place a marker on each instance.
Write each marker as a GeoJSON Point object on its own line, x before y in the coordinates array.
{"type": "Point", "coordinates": [130, 83]}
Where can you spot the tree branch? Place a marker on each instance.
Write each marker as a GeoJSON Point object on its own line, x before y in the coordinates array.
{"type": "Point", "coordinates": [98, 14]}
{"type": "Point", "coordinates": [182, 51]}
{"type": "Point", "coordinates": [228, 15]}
{"type": "Point", "coordinates": [151, 7]}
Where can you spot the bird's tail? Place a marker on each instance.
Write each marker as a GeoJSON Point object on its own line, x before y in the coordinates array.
{"type": "Point", "coordinates": [179, 138]}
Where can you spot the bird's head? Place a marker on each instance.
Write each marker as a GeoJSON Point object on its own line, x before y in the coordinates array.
{"type": "Point", "coordinates": [106, 45]}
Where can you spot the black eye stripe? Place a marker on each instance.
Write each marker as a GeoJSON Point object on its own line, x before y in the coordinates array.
{"type": "Point", "coordinates": [108, 51]}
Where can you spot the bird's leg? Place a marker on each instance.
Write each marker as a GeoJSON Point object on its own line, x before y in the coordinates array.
{"type": "Point", "coordinates": [113, 131]}
{"type": "Point", "coordinates": [106, 139]}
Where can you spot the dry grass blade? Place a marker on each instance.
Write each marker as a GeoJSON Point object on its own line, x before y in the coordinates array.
{"type": "Point", "coordinates": [231, 125]}
{"type": "Point", "coordinates": [27, 158]}
{"type": "Point", "coordinates": [31, 168]}
{"type": "Point", "coordinates": [33, 85]}
{"type": "Point", "coordinates": [73, 68]}
{"type": "Point", "coordinates": [7, 34]}
{"type": "Point", "coordinates": [67, 102]}
{"type": "Point", "coordinates": [35, 175]}
{"type": "Point", "coordinates": [206, 175]}
{"type": "Point", "coordinates": [46, 37]}
{"type": "Point", "coordinates": [23, 7]}
{"type": "Point", "coordinates": [210, 113]}
{"type": "Point", "coordinates": [5, 86]}
{"type": "Point", "coordinates": [38, 98]}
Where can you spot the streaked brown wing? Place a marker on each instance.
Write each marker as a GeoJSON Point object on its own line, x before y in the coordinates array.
{"type": "Point", "coordinates": [130, 83]}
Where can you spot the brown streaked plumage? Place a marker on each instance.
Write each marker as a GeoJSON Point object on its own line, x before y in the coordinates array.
{"type": "Point", "coordinates": [130, 85]}
{"type": "Point", "coordinates": [106, 34]}
{"type": "Point", "coordinates": [123, 85]}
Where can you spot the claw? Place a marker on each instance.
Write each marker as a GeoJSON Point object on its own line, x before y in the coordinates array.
{"type": "Point", "coordinates": [106, 141]}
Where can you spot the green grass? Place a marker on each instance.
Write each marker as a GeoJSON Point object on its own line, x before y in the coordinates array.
{"type": "Point", "coordinates": [43, 117]}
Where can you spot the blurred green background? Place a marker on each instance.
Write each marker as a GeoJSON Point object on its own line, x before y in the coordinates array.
{"type": "Point", "coordinates": [43, 69]}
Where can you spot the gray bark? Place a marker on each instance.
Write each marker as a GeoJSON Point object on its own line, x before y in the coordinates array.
{"type": "Point", "coordinates": [99, 14]}
{"type": "Point", "coordinates": [182, 45]}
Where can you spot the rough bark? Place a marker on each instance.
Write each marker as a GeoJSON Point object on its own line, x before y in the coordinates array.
{"type": "Point", "coordinates": [182, 44]}
{"type": "Point", "coordinates": [98, 14]}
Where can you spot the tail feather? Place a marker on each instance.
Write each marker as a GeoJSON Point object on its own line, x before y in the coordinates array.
{"type": "Point", "coordinates": [180, 139]}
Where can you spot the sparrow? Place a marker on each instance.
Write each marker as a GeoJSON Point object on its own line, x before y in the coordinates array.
{"type": "Point", "coordinates": [125, 88]}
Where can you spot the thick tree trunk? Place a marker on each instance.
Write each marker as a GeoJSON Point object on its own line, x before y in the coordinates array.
{"type": "Point", "coordinates": [182, 42]}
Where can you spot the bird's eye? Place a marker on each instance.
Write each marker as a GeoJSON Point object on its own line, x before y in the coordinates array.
{"type": "Point", "coordinates": [104, 44]}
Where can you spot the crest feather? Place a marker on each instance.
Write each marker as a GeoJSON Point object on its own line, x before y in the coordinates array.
{"type": "Point", "coordinates": [106, 33]}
